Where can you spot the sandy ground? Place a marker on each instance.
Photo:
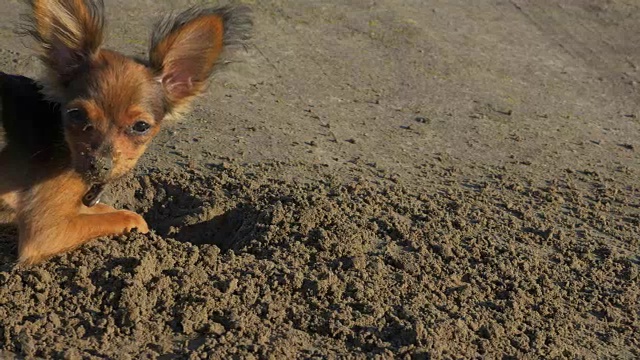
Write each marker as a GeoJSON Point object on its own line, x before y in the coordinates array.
{"type": "Point", "coordinates": [392, 178]}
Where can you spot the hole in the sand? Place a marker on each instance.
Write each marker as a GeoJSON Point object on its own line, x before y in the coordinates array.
{"type": "Point", "coordinates": [228, 230]}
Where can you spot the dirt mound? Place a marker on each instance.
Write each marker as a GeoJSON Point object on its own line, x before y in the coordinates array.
{"type": "Point", "coordinates": [247, 265]}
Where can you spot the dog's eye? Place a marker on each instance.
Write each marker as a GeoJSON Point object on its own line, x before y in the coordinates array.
{"type": "Point", "coordinates": [76, 117]}
{"type": "Point", "coordinates": [140, 128]}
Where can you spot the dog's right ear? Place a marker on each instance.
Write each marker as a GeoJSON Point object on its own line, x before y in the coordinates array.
{"type": "Point", "coordinates": [69, 33]}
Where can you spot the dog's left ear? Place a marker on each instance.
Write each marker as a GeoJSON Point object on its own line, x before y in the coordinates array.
{"type": "Point", "coordinates": [185, 48]}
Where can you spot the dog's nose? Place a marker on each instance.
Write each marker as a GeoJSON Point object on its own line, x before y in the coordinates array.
{"type": "Point", "coordinates": [101, 167]}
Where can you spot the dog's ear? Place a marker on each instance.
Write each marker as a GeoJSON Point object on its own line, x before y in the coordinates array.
{"type": "Point", "coordinates": [185, 48]}
{"type": "Point", "coordinates": [69, 32]}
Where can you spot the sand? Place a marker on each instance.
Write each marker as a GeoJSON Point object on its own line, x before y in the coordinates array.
{"type": "Point", "coordinates": [391, 179]}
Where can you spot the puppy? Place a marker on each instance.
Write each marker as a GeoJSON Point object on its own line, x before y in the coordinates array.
{"type": "Point", "coordinates": [92, 116]}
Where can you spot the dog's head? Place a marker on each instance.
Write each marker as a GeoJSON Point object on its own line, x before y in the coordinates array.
{"type": "Point", "coordinates": [113, 105]}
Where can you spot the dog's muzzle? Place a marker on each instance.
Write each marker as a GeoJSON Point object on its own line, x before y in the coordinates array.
{"type": "Point", "coordinates": [99, 168]}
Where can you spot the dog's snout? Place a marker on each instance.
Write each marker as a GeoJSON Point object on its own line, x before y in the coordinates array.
{"type": "Point", "coordinates": [100, 167]}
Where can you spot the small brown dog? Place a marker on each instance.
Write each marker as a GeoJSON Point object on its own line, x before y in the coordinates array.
{"type": "Point", "coordinates": [93, 115]}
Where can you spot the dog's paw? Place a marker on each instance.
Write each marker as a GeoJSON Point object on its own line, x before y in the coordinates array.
{"type": "Point", "coordinates": [131, 220]}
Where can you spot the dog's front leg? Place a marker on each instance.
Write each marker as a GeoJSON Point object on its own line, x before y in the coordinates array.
{"type": "Point", "coordinates": [7, 214]}
{"type": "Point", "coordinates": [9, 181]}
{"type": "Point", "coordinates": [40, 239]}
{"type": "Point", "coordinates": [52, 221]}
{"type": "Point", "coordinates": [98, 209]}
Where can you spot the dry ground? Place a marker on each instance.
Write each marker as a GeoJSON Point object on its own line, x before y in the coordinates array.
{"type": "Point", "coordinates": [393, 178]}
